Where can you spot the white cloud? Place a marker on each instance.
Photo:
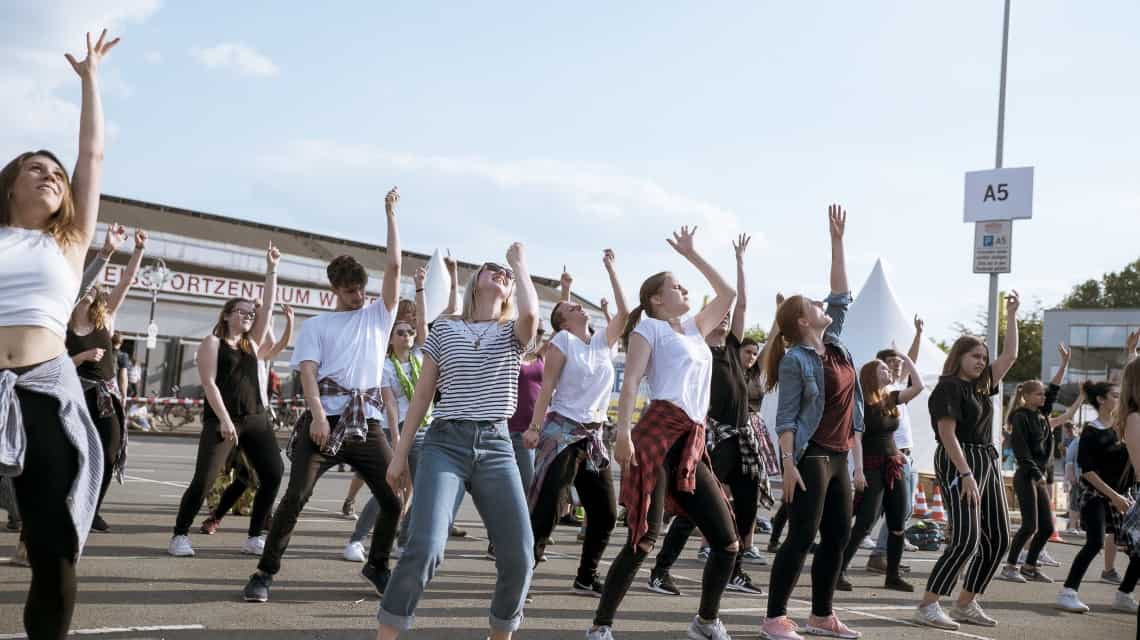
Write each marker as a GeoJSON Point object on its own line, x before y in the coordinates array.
{"type": "Point", "coordinates": [235, 55]}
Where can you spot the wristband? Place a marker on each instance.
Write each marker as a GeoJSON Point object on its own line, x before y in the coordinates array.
{"type": "Point", "coordinates": [420, 290]}
{"type": "Point", "coordinates": [966, 475]}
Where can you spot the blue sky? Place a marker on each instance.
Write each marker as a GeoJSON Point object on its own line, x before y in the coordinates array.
{"type": "Point", "coordinates": [577, 127]}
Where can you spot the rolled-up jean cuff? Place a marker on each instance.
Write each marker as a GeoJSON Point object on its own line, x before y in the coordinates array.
{"type": "Point", "coordinates": [509, 626]}
{"type": "Point", "coordinates": [399, 623]}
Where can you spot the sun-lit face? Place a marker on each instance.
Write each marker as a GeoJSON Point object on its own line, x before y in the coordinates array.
{"type": "Point", "coordinates": [349, 298]}
{"type": "Point", "coordinates": [748, 355]}
{"type": "Point", "coordinates": [1034, 397]}
{"type": "Point", "coordinates": [884, 374]}
{"type": "Point", "coordinates": [814, 317]}
{"type": "Point", "coordinates": [974, 362]}
{"type": "Point", "coordinates": [494, 275]}
{"type": "Point", "coordinates": [240, 319]}
{"type": "Point", "coordinates": [39, 187]}
{"type": "Point", "coordinates": [572, 316]}
{"type": "Point", "coordinates": [672, 300]}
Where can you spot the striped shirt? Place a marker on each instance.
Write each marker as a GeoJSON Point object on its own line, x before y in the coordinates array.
{"type": "Point", "coordinates": [475, 384]}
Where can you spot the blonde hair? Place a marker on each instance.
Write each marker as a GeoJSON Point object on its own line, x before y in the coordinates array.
{"type": "Point", "coordinates": [1129, 397]}
{"type": "Point", "coordinates": [507, 311]}
{"type": "Point", "coordinates": [1018, 401]}
{"type": "Point", "coordinates": [98, 314]}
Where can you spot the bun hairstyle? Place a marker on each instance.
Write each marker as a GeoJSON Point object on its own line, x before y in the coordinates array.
{"type": "Point", "coordinates": [1018, 401]}
{"type": "Point", "coordinates": [649, 288]}
{"type": "Point", "coordinates": [1096, 392]}
{"type": "Point", "coordinates": [787, 333]}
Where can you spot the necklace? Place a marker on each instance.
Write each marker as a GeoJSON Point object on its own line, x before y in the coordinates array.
{"type": "Point", "coordinates": [479, 337]}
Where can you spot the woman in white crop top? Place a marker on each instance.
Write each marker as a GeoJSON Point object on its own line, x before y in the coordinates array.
{"type": "Point", "coordinates": [664, 459]}
{"type": "Point", "coordinates": [46, 225]}
{"type": "Point", "coordinates": [578, 377]}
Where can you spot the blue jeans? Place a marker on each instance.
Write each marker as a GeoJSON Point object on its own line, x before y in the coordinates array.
{"type": "Point", "coordinates": [525, 459]}
{"type": "Point", "coordinates": [910, 474]}
{"type": "Point", "coordinates": [372, 509]}
{"type": "Point", "coordinates": [477, 456]}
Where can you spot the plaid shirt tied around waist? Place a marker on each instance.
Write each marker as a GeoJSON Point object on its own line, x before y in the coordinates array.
{"type": "Point", "coordinates": [745, 435]}
{"type": "Point", "coordinates": [352, 426]}
{"type": "Point", "coordinates": [109, 402]}
{"type": "Point", "coordinates": [558, 433]}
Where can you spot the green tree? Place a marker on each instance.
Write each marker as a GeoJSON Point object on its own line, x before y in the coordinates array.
{"type": "Point", "coordinates": [757, 333]}
{"type": "Point", "coordinates": [1114, 290]}
{"type": "Point", "coordinates": [1030, 330]}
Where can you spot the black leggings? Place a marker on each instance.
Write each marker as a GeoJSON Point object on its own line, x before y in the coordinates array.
{"type": "Point", "coordinates": [595, 490]}
{"type": "Point", "coordinates": [745, 491]}
{"type": "Point", "coordinates": [1094, 517]}
{"type": "Point", "coordinates": [823, 507]}
{"type": "Point", "coordinates": [878, 498]}
{"type": "Point", "coordinates": [708, 508]}
{"type": "Point", "coordinates": [110, 435]}
{"type": "Point", "coordinates": [1036, 516]}
{"type": "Point", "coordinates": [778, 522]}
{"type": "Point", "coordinates": [50, 466]}
{"type": "Point", "coordinates": [256, 439]}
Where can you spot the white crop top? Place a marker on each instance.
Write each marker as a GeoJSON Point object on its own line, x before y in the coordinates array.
{"type": "Point", "coordinates": [38, 285]}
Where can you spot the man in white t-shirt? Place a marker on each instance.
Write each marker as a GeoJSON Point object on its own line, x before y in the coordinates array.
{"type": "Point", "coordinates": [340, 356]}
{"type": "Point", "coordinates": [904, 442]}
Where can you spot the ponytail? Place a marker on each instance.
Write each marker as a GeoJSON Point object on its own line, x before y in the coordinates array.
{"type": "Point", "coordinates": [1096, 392]}
{"type": "Point", "coordinates": [631, 324]}
{"type": "Point", "coordinates": [776, 350]}
{"type": "Point", "coordinates": [649, 288]}
{"type": "Point", "coordinates": [785, 334]}
{"type": "Point", "coordinates": [1015, 403]}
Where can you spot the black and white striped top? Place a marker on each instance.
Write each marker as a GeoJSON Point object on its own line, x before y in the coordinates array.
{"type": "Point", "coordinates": [475, 384]}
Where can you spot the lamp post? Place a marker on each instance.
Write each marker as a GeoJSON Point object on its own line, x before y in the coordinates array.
{"type": "Point", "coordinates": [154, 277]}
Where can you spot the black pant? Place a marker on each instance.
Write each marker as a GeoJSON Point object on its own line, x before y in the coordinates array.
{"type": "Point", "coordinates": [1036, 516]}
{"type": "Point", "coordinates": [708, 508]}
{"type": "Point", "coordinates": [110, 435]}
{"type": "Point", "coordinates": [824, 507]}
{"type": "Point", "coordinates": [979, 534]}
{"type": "Point", "coordinates": [745, 491]}
{"type": "Point", "coordinates": [878, 498]}
{"type": "Point", "coordinates": [778, 522]}
{"type": "Point", "coordinates": [255, 438]}
{"type": "Point", "coordinates": [369, 459]}
{"type": "Point", "coordinates": [1094, 517]}
{"type": "Point", "coordinates": [595, 490]}
{"type": "Point", "coordinates": [50, 466]}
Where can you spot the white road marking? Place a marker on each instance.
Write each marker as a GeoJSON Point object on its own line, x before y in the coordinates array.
{"type": "Point", "coordinates": [109, 630]}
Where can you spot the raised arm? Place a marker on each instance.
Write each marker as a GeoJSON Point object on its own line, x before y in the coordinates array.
{"type": "Point", "coordinates": [119, 293]}
{"type": "Point", "coordinates": [1066, 355]}
{"type": "Point", "coordinates": [260, 327]}
{"type": "Point", "coordinates": [1069, 413]}
{"type": "Point", "coordinates": [741, 308]}
{"type": "Point", "coordinates": [915, 385]}
{"type": "Point", "coordinates": [616, 324]}
{"type": "Point", "coordinates": [564, 284]}
{"type": "Point", "coordinates": [527, 323]}
{"type": "Point", "coordinates": [717, 309]}
{"type": "Point", "coordinates": [390, 290]}
{"type": "Point", "coordinates": [115, 237]}
{"type": "Point", "coordinates": [605, 304]}
{"type": "Point", "coordinates": [453, 295]}
{"type": "Point", "coordinates": [277, 347]}
{"type": "Point", "coordinates": [421, 307]}
{"type": "Point", "coordinates": [86, 181]}
{"type": "Point", "coordinates": [1130, 346]}
{"type": "Point", "coordinates": [916, 344]}
{"type": "Point", "coordinates": [837, 224]}
{"type": "Point", "coordinates": [1004, 362]}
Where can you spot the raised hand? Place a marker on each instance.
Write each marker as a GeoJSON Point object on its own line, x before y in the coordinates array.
{"type": "Point", "coordinates": [1012, 303]}
{"type": "Point", "coordinates": [272, 256]}
{"type": "Point", "coordinates": [605, 305]}
{"type": "Point", "coordinates": [451, 263]}
{"type": "Point", "coordinates": [566, 280]}
{"type": "Point", "coordinates": [1065, 352]}
{"type": "Point", "coordinates": [741, 245]}
{"type": "Point", "coordinates": [95, 54]}
{"type": "Point", "coordinates": [515, 254]}
{"type": "Point", "coordinates": [391, 200]}
{"type": "Point", "coordinates": [419, 277]}
{"type": "Point", "coordinates": [919, 324]}
{"type": "Point", "coordinates": [140, 239]}
{"type": "Point", "coordinates": [116, 236]}
{"type": "Point", "coordinates": [682, 241]}
{"type": "Point", "coordinates": [837, 221]}
{"type": "Point", "coordinates": [608, 259]}
{"type": "Point", "coordinates": [1131, 343]}
{"type": "Point", "coordinates": [287, 309]}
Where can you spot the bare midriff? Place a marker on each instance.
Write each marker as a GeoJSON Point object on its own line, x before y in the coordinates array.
{"type": "Point", "coordinates": [22, 346]}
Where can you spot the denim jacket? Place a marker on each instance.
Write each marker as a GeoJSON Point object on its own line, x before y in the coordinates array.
{"type": "Point", "coordinates": [801, 392]}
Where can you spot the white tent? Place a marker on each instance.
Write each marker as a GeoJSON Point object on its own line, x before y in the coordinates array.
{"type": "Point", "coordinates": [876, 321]}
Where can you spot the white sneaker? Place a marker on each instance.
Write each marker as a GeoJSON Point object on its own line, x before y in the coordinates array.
{"type": "Point", "coordinates": [752, 555]}
{"type": "Point", "coordinates": [1012, 574]}
{"type": "Point", "coordinates": [1068, 600]}
{"type": "Point", "coordinates": [180, 547]}
{"type": "Point", "coordinates": [253, 546]}
{"type": "Point", "coordinates": [972, 613]}
{"type": "Point", "coordinates": [932, 615]}
{"type": "Point", "coordinates": [1046, 560]}
{"type": "Point", "coordinates": [354, 551]}
{"type": "Point", "coordinates": [867, 543]}
{"type": "Point", "coordinates": [601, 633]}
{"type": "Point", "coordinates": [707, 631]}
{"type": "Point", "coordinates": [1124, 602]}
{"type": "Point", "coordinates": [908, 547]}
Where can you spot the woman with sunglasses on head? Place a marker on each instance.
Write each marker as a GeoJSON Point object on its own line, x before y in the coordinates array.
{"type": "Point", "coordinates": [819, 420]}
{"type": "Point", "coordinates": [968, 470]}
{"type": "Point", "coordinates": [234, 414]}
{"type": "Point", "coordinates": [89, 345]}
{"type": "Point", "coordinates": [50, 445]}
{"type": "Point", "coordinates": [567, 429]}
{"type": "Point", "coordinates": [473, 360]}
{"type": "Point", "coordinates": [665, 464]}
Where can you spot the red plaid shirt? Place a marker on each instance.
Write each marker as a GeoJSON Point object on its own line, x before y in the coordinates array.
{"type": "Point", "coordinates": [661, 425]}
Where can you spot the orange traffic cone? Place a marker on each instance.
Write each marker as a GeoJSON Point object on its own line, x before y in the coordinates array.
{"type": "Point", "coordinates": [919, 502]}
{"type": "Point", "coordinates": [937, 514]}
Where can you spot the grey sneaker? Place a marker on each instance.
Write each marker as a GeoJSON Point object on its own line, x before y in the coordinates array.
{"type": "Point", "coordinates": [932, 615]}
{"type": "Point", "coordinates": [1009, 572]}
{"type": "Point", "coordinates": [1110, 576]}
{"type": "Point", "coordinates": [601, 633]}
{"type": "Point", "coordinates": [1033, 574]}
{"type": "Point", "coordinates": [973, 614]}
{"type": "Point", "coordinates": [1124, 602]}
{"type": "Point", "coordinates": [707, 630]}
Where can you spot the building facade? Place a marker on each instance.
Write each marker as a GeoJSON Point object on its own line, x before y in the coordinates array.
{"type": "Point", "coordinates": [1096, 337]}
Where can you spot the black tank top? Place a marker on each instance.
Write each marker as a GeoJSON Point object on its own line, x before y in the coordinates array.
{"type": "Point", "coordinates": [98, 339]}
{"type": "Point", "coordinates": [237, 380]}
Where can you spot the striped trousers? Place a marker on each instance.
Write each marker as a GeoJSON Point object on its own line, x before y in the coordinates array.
{"type": "Point", "coordinates": [980, 534]}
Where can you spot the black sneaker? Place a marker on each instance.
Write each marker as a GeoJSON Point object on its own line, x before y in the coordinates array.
{"type": "Point", "coordinates": [99, 524]}
{"type": "Point", "coordinates": [773, 546]}
{"type": "Point", "coordinates": [569, 520]}
{"type": "Point", "coordinates": [257, 589]}
{"type": "Point", "coordinates": [662, 582]}
{"type": "Point", "coordinates": [13, 525]}
{"type": "Point", "coordinates": [742, 583]}
{"type": "Point", "coordinates": [593, 587]}
{"type": "Point", "coordinates": [896, 583]}
{"type": "Point", "coordinates": [378, 578]}
{"type": "Point", "coordinates": [843, 584]}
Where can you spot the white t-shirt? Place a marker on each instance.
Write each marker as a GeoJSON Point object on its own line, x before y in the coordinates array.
{"type": "Point", "coordinates": [904, 437]}
{"type": "Point", "coordinates": [680, 366]}
{"type": "Point", "coordinates": [392, 382]}
{"type": "Point", "coordinates": [349, 347]}
{"type": "Point", "coordinates": [583, 391]}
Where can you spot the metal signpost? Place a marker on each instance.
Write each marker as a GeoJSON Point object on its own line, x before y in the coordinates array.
{"type": "Point", "coordinates": [154, 277]}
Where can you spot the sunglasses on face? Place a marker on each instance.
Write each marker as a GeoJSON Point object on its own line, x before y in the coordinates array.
{"type": "Point", "coordinates": [247, 315]}
{"type": "Point", "coordinates": [498, 268]}
{"type": "Point", "coordinates": [405, 333]}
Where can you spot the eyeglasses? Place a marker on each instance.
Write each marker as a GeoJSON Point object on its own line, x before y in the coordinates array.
{"type": "Point", "coordinates": [404, 333]}
{"type": "Point", "coordinates": [248, 315]}
{"type": "Point", "coordinates": [498, 268]}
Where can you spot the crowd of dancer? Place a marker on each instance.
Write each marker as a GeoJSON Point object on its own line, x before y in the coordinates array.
{"type": "Point", "coordinates": [478, 402]}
